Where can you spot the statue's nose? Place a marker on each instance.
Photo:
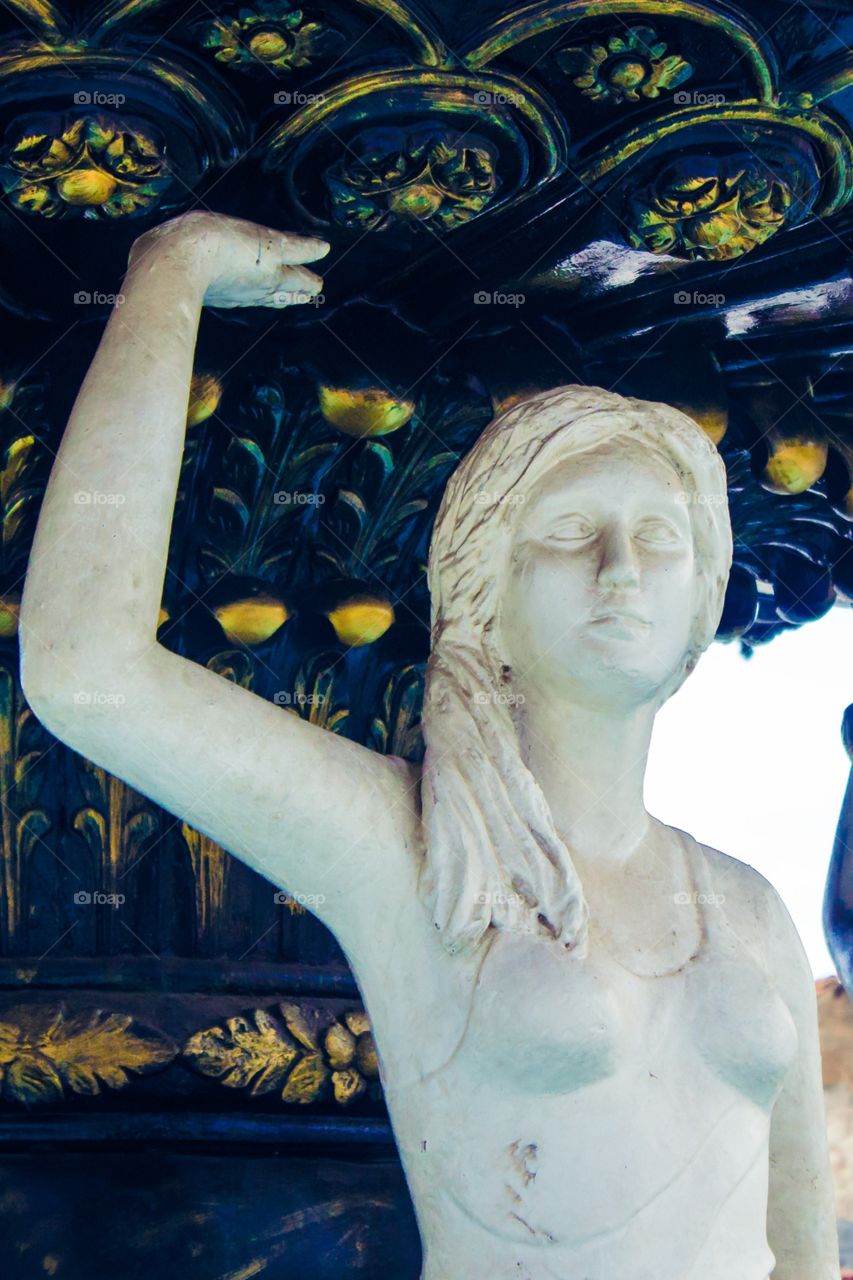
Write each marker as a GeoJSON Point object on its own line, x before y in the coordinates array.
{"type": "Point", "coordinates": [618, 566]}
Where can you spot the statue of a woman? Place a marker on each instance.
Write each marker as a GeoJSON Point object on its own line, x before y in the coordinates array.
{"type": "Point", "coordinates": [597, 1037]}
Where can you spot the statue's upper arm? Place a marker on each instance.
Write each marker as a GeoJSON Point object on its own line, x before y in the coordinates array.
{"type": "Point", "coordinates": [318, 815]}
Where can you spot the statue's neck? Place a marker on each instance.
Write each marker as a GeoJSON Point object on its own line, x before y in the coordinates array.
{"type": "Point", "coordinates": [590, 763]}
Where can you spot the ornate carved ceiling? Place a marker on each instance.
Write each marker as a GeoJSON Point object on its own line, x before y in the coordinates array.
{"type": "Point", "coordinates": [652, 195]}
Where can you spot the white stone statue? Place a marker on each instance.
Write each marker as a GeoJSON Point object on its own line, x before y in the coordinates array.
{"type": "Point", "coordinates": [597, 1037]}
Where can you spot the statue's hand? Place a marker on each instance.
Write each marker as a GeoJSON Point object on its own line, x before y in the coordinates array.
{"type": "Point", "coordinates": [847, 731]}
{"type": "Point", "coordinates": [239, 263]}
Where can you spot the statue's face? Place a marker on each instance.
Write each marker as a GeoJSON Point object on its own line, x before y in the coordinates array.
{"type": "Point", "coordinates": [599, 599]}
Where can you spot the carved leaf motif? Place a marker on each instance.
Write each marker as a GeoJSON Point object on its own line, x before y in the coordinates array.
{"type": "Point", "coordinates": [339, 1046]}
{"type": "Point", "coordinates": [234, 665]}
{"type": "Point", "coordinates": [306, 1080]}
{"type": "Point", "coordinates": [308, 1057]}
{"type": "Point", "coordinates": [398, 730]}
{"type": "Point", "coordinates": [44, 1050]}
{"type": "Point", "coordinates": [301, 1023]}
{"type": "Point", "coordinates": [253, 1052]}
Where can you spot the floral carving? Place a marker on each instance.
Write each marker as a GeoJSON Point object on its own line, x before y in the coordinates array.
{"type": "Point", "coordinates": [304, 1055]}
{"type": "Point", "coordinates": [419, 175]}
{"type": "Point", "coordinates": [273, 35]}
{"type": "Point", "coordinates": [702, 209]}
{"type": "Point", "coordinates": [45, 1051]}
{"type": "Point", "coordinates": [624, 68]}
{"type": "Point", "coordinates": [93, 166]}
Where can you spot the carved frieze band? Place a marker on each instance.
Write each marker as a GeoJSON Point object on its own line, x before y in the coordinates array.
{"type": "Point", "coordinates": [294, 1053]}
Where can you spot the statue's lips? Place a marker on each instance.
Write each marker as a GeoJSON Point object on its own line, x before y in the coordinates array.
{"type": "Point", "coordinates": [620, 620]}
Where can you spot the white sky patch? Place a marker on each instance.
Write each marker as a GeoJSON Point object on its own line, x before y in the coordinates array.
{"type": "Point", "coordinates": [747, 757]}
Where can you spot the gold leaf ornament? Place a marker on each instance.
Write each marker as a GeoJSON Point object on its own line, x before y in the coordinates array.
{"type": "Point", "coordinates": [46, 1051]}
{"type": "Point", "coordinates": [253, 1052]}
{"type": "Point", "coordinates": [303, 1057]}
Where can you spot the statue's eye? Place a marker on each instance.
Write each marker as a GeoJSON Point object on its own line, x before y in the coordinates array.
{"type": "Point", "coordinates": [660, 531]}
{"type": "Point", "coordinates": [572, 529]}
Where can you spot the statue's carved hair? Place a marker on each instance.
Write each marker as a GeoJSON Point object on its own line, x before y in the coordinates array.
{"type": "Point", "coordinates": [493, 855]}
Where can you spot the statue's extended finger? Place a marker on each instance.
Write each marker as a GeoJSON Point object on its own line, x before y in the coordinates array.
{"type": "Point", "coordinates": [296, 249]}
{"type": "Point", "coordinates": [296, 285]}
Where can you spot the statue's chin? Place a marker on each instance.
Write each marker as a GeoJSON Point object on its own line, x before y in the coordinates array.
{"type": "Point", "coordinates": [614, 682]}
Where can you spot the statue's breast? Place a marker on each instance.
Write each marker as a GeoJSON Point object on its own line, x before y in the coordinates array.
{"type": "Point", "coordinates": [739, 1025]}
{"type": "Point", "coordinates": [542, 1020]}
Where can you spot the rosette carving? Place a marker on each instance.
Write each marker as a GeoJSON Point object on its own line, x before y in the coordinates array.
{"type": "Point", "coordinates": [274, 35]}
{"type": "Point", "coordinates": [92, 166]}
{"type": "Point", "coordinates": [424, 175]}
{"type": "Point", "coordinates": [624, 67]}
{"type": "Point", "coordinates": [703, 209]}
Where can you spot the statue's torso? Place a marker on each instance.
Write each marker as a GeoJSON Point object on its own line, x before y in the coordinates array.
{"type": "Point", "coordinates": [562, 1117]}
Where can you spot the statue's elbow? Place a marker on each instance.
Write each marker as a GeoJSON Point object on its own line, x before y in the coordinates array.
{"type": "Point", "coordinates": [56, 686]}
{"type": "Point", "coordinates": [44, 688]}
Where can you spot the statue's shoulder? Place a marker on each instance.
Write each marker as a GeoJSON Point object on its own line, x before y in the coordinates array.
{"type": "Point", "coordinates": [755, 907]}
{"type": "Point", "coordinates": [747, 883]}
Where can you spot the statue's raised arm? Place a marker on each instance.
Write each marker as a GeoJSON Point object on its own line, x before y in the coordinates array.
{"type": "Point", "coordinates": [313, 812]}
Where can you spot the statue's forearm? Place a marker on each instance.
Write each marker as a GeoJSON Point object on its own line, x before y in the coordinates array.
{"type": "Point", "coordinates": [96, 570]}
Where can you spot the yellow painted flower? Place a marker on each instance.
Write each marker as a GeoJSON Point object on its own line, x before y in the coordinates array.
{"type": "Point", "coordinates": [271, 35]}
{"type": "Point", "coordinates": [624, 68]}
